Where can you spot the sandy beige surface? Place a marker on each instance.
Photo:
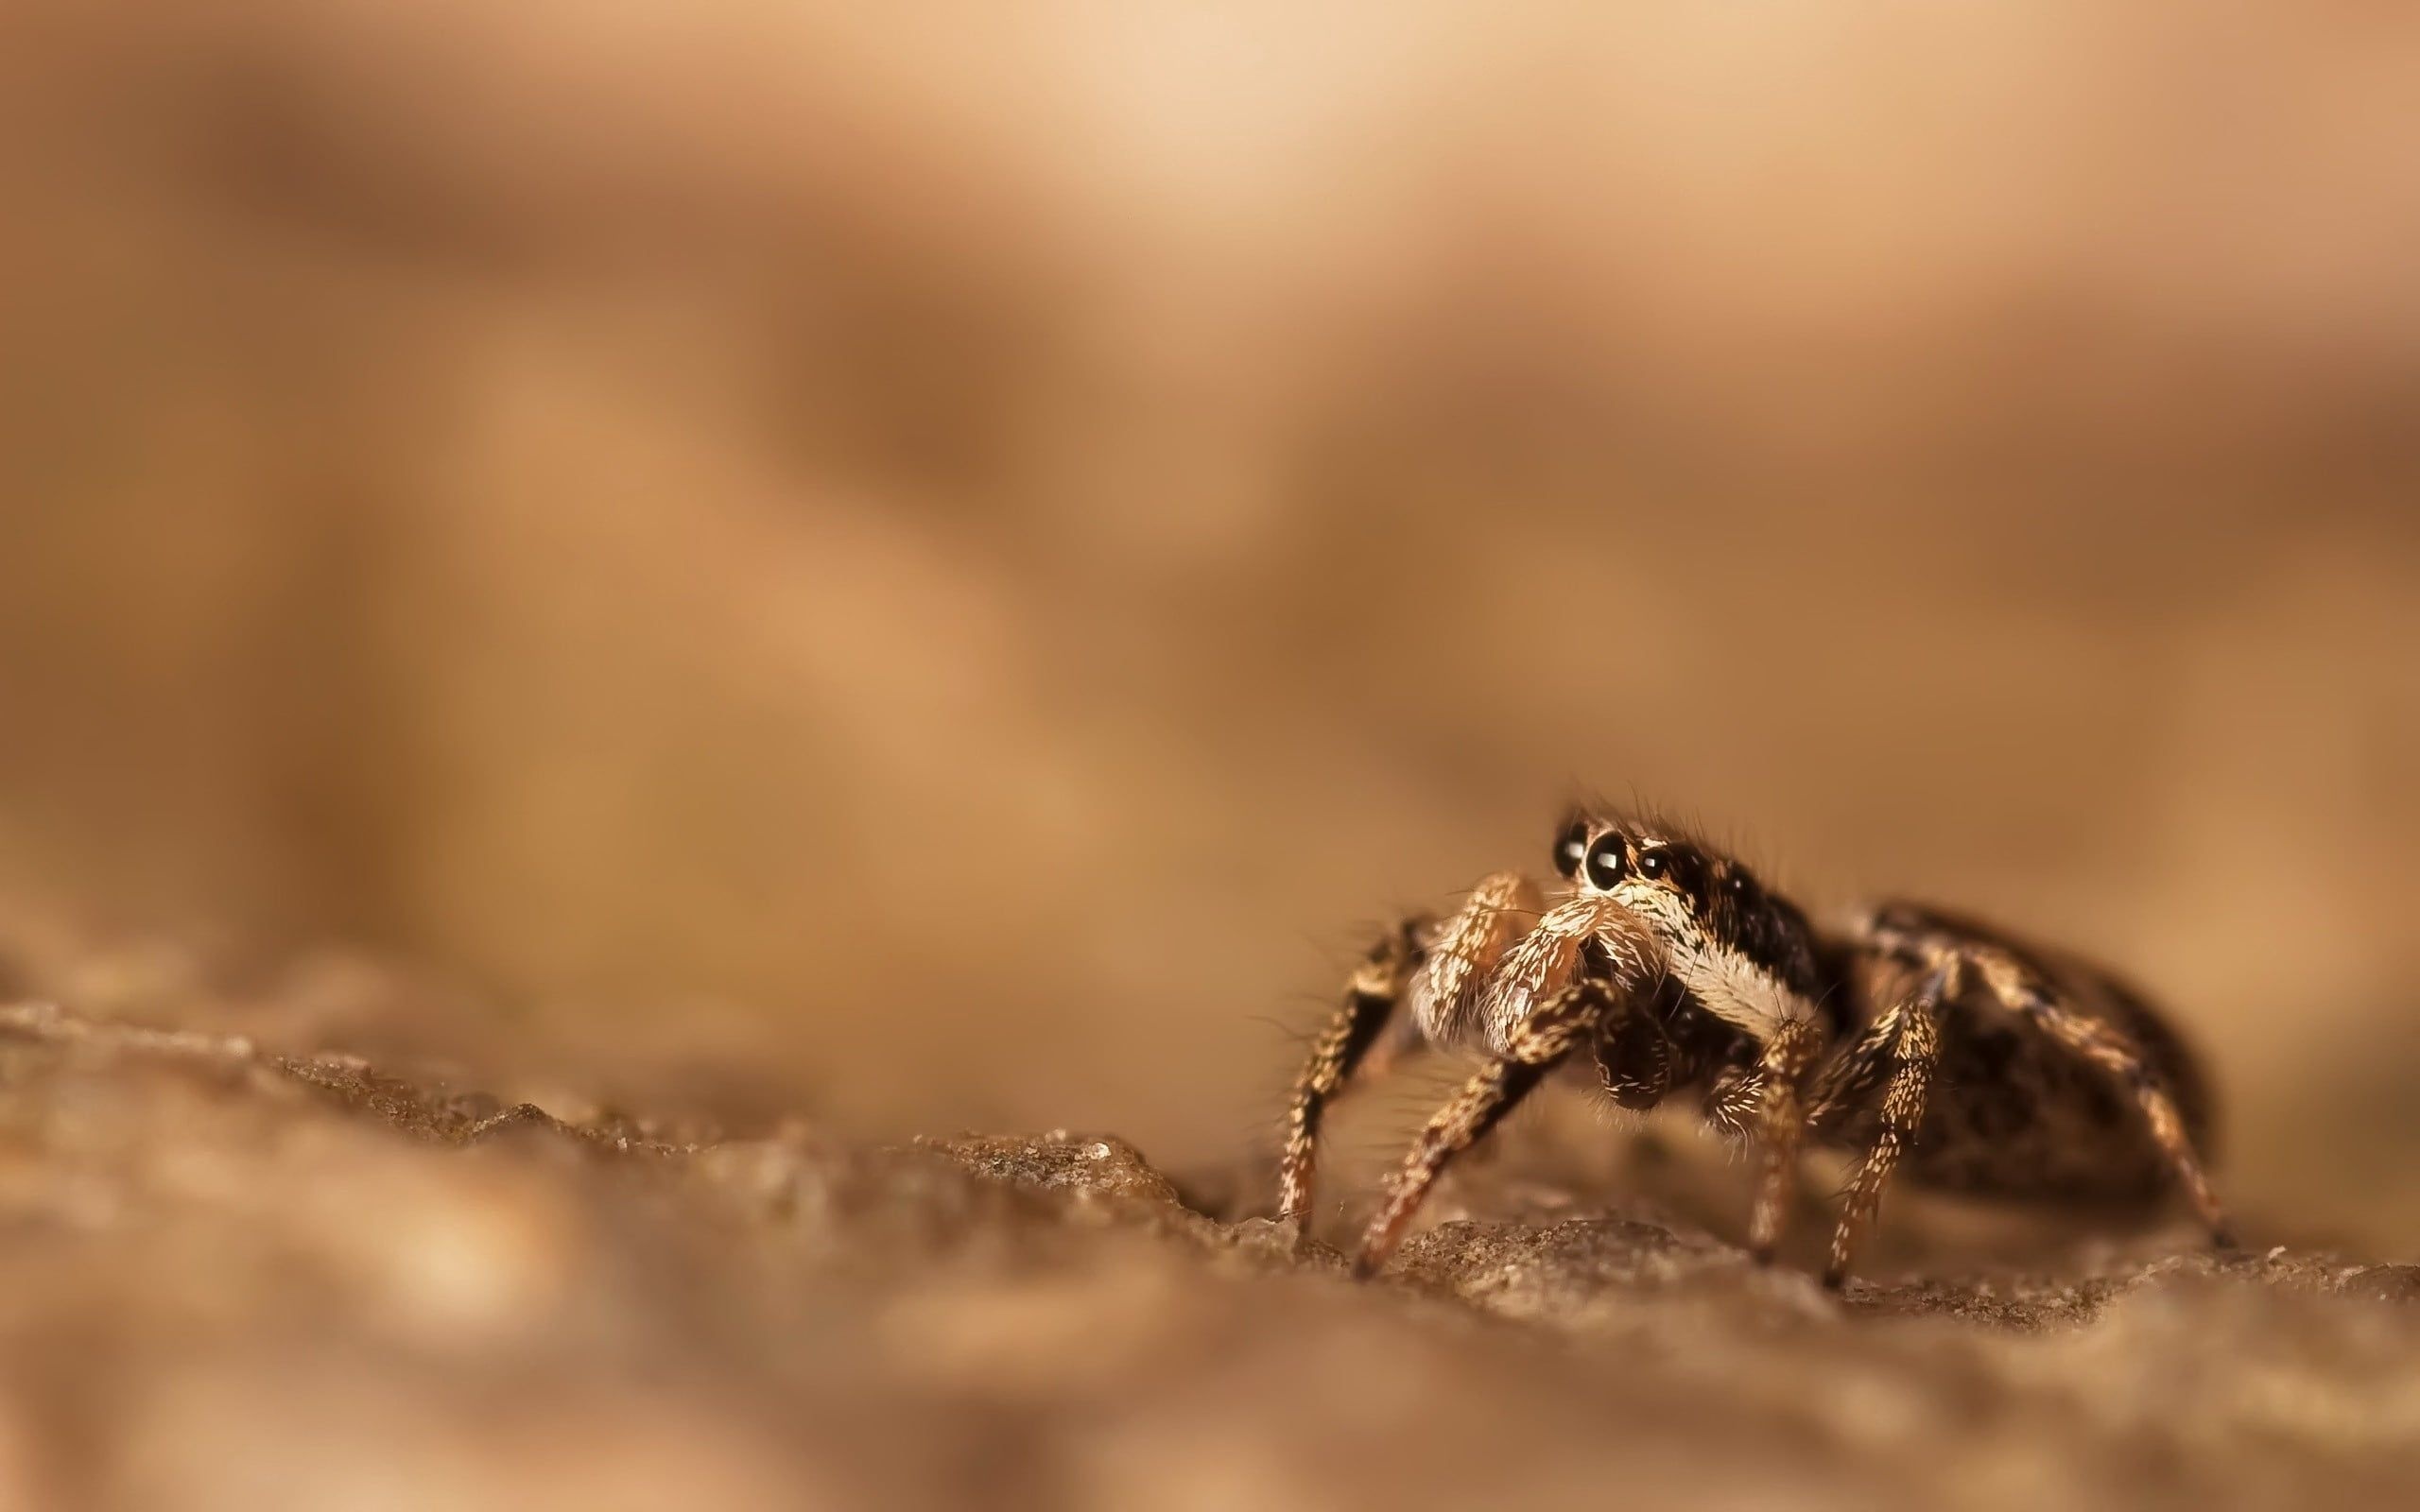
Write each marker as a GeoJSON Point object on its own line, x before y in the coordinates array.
{"type": "Point", "coordinates": [239, 1278]}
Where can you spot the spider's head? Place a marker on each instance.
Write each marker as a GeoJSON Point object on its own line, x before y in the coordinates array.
{"type": "Point", "coordinates": [1670, 883]}
{"type": "Point", "coordinates": [1745, 952]}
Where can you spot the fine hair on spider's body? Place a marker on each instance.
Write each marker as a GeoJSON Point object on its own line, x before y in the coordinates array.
{"type": "Point", "coordinates": [1921, 1041]}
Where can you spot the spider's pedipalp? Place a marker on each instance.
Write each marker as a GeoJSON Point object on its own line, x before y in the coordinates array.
{"type": "Point", "coordinates": [1548, 958]}
{"type": "Point", "coordinates": [1465, 950]}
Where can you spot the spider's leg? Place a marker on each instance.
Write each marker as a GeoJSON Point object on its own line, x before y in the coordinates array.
{"type": "Point", "coordinates": [2022, 992]}
{"type": "Point", "coordinates": [1440, 969]}
{"type": "Point", "coordinates": [1900, 1052]}
{"type": "Point", "coordinates": [1779, 1120]}
{"type": "Point", "coordinates": [1377, 987]}
{"type": "Point", "coordinates": [1552, 1030]}
{"type": "Point", "coordinates": [1732, 1100]}
{"type": "Point", "coordinates": [1464, 954]}
{"type": "Point", "coordinates": [1637, 1062]}
{"type": "Point", "coordinates": [2028, 993]}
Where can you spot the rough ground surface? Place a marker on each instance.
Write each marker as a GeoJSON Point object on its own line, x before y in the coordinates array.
{"type": "Point", "coordinates": [235, 1278]}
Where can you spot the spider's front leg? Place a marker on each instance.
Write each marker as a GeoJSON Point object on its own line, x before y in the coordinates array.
{"type": "Point", "coordinates": [1779, 1119]}
{"type": "Point", "coordinates": [1439, 974]}
{"type": "Point", "coordinates": [1558, 1026]}
{"type": "Point", "coordinates": [1549, 996]}
{"type": "Point", "coordinates": [1637, 1064]}
{"type": "Point", "coordinates": [1370, 997]}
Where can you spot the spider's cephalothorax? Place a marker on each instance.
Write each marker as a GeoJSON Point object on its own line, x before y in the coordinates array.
{"type": "Point", "coordinates": [1911, 1036]}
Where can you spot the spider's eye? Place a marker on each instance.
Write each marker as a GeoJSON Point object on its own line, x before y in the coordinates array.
{"type": "Point", "coordinates": [1570, 847]}
{"type": "Point", "coordinates": [1653, 864]}
{"type": "Point", "coordinates": [1604, 865]}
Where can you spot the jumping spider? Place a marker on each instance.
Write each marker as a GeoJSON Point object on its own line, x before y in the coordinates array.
{"type": "Point", "coordinates": [1914, 1037]}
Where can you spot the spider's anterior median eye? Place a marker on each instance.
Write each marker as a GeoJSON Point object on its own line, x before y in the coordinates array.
{"type": "Point", "coordinates": [1570, 847]}
{"type": "Point", "coordinates": [1604, 865]}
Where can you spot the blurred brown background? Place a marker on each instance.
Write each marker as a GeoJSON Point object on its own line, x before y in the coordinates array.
{"type": "Point", "coordinates": [938, 572]}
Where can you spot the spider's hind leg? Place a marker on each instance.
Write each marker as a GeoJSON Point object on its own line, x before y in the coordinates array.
{"type": "Point", "coordinates": [2085, 1015]}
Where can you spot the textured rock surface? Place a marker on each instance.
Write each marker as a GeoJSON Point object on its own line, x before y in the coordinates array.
{"type": "Point", "coordinates": [237, 1279]}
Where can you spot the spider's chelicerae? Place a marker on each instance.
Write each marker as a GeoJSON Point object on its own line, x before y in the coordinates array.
{"type": "Point", "coordinates": [1913, 1039]}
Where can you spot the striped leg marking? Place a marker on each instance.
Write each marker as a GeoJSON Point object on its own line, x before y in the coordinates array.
{"type": "Point", "coordinates": [1552, 1031]}
{"type": "Point", "coordinates": [1905, 1042]}
{"type": "Point", "coordinates": [1780, 1120]}
{"type": "Point", "coordinates": [2112, 1052]}
{"type": "Point", "coordinates": [1370, 1000]}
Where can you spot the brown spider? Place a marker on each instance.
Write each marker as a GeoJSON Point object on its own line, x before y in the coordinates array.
{"type": "Point", "coordinates": [1915, 1036]}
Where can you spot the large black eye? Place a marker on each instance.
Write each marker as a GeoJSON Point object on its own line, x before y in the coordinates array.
{"type": "Point", "coordinates": [1604, 863]}
{"type": "Point", "coordinates": [1570, 847]}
